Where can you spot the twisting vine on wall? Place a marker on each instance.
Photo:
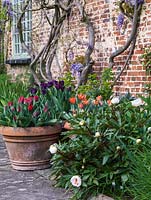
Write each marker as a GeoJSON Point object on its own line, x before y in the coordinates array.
{"type": "Point", "coordinates": [131, 9]}
{"type": "Point", "coordinates": [43, 60]}
{"type": "Point", "coordinates": [62, 9]}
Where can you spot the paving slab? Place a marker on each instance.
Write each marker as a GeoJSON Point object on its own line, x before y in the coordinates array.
{"type": "Point", "coordinates": [26, 185]}
{"type": "Point", "coordinates": [29, 185]}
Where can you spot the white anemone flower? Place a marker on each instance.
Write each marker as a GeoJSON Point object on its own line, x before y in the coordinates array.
{"type": "Point", "coordinates": [115, 100]}
{"type": "Point", "coordinates": [138, 141]}
{"type": "Point", "coordinates": [53, 149]}
{"type": "Point", "coordinates": [97, 134]}
{"type": "Point", "coordinates": [149, 129]}
{"type": "Point", "coordinates": [137, 102]}
{"type": "Point", "coordinates": [76, 181]}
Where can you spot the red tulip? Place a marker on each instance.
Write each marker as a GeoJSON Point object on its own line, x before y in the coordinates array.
{"type": "Point", "coordinates": [36, 98]}
{"type": "Point", "coordinates": [30, 107]}
{"type": "Point", "coordinates": [21, 99]}
{"type": "Point", "coordinates": [10, 103]}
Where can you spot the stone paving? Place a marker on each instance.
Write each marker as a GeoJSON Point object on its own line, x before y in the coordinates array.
{"type": "Point", "coordinates": [26, 185]}
{"type": "Point", "coordinates": [29, 185]}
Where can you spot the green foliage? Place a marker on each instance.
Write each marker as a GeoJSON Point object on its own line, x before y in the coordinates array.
{"type": "Point", "coordinates": [94, 87]}
{"type": "Point", "coordinates": [9, 91]}
{"type": "Point", "coordinates": [69, 80]}
{"type": "Point", "coordinates": [140, 179]}
{"type": "Point", "coordinates": [99, 146]}
{"type": "Point", "coordinates": [56, 92]}
{"type": "Point", "coordinates": [91, 88]}
{"type": "Point", "coordinates": [29, 112]}
{"type": "Point", "coordinates": [106, 89]}
{"type": "Point", "coordinates": [146, 60]}
{"type": "Point", "coordinates": [43, 107]}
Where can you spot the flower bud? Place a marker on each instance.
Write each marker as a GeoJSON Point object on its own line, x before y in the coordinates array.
{"type": "Point", "coordinates": [118, 148]}
{"type": "Point", "coordinates": [138, 141]}
{"type": "Point", "coordinates": [97, 134]}
{"type": "Point", "coordinates": [81, 123]}
{"type": "Point", "coordinates": [53, 149]}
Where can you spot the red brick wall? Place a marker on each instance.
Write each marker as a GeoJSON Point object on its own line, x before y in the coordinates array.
{"type": "Point", "coordinates": [107, 39]}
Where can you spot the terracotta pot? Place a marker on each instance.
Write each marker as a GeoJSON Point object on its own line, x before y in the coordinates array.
{"type": "Point", "coordinates": [28, 147]}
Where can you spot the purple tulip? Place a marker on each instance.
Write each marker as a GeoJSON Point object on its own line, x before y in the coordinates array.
{"type": "Point", "coordinates": [33, 90]}
{"type": "Point", "coordinates": [44, 91]}
{"type": "Point", "coordinates": [61, 83]}
{"type": "Point", "coordinates": [50, 84]}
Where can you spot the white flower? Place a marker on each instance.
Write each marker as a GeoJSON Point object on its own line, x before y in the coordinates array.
{"type": "Point", "coordinates": [121, 187]}
{"type": "Point", "coordinates": [115, 100]}
{"type": "Point", "coordinates": [81, 123]}
{"type": "Point", "coordinates": [137, 102]}
{"type": "Point", "coordinates": [149, 129]}
{"type": "Point", "coordinates": [138, 141]}
{"type": "Point", "coordinates": [113, 184]}
{"type": "Point", "coordinates": [97, 134]}
{"type": "Point", "coordinates": [76, 181]}
{"type": "Point", "coordinates": [53, 149]}
{"type": "Point", "coordinates": [118, 148]}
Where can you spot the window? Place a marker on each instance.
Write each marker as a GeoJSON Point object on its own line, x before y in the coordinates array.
{"type": "Point", "coordinates": [17, 50]}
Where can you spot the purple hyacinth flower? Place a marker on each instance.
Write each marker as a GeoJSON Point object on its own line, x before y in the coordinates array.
{"type": "Point", "coordinates": [6, 3]}
{"type": "Point", "coordinates": [140, 1]}
{"type": "Point", "coordinates": [71, 55]}
{"type": "Point", "coordinates": [120, 20]}
{"type": "Point", "coordinates": [10, 13]}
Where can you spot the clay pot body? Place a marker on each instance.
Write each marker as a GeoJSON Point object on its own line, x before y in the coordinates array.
{"type": "Point", "coordinates": [28, 148]}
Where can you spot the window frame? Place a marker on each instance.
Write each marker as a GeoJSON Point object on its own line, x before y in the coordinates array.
{"type": "Point", "coordinates": [17, 51]}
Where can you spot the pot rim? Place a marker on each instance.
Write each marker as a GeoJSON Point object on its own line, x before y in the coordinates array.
{"type": "Point", "coordinates": [30, 131]}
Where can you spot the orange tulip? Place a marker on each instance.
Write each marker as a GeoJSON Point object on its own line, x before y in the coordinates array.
{"type": "Point", "coordinates": [99, 98]}
{"type": "Point", "coordinates": [109, 102]}
{"type": "Point", "coordinates": [81, 96]}
{"type": "Point", "coordinates": [95, 102]}
{"type": "Point", "coordinates": [85, 102]}
{"type": "Point", "coordinates": [72, 100]}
